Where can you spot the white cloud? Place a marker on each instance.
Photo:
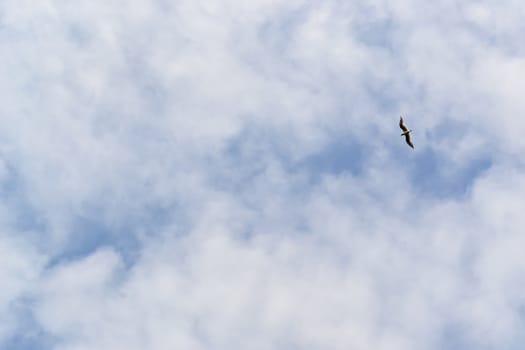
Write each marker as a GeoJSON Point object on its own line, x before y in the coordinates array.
{"type": "Point", "coordinates": [183, 129]}
{"type": "Point", "coordinates": [20, 267]}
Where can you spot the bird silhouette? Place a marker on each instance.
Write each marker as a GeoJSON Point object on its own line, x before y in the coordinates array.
{"type": "Point", "coordinates": [406, 132]}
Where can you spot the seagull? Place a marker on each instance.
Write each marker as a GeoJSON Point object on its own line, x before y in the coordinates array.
{"type": "Point", "coordinates": [406, 132]}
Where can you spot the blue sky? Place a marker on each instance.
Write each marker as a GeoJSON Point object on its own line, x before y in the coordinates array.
{"type": "Point", "coordinates": [225, 175]}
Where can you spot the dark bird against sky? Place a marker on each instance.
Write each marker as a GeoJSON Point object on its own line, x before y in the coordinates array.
{"type": "Point", "coordinates": [406, 132]}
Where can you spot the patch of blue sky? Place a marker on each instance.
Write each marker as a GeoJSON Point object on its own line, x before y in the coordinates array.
{"type": "Point", "coordinates": [29, 334]}
{"type": "Point", "coordinates": [248, 152]}
{"type": "Point", "coordinates": [92, 228]}
{"type": "Point", "coordinates": [434, 176]}
{"type": "Point", "coordinates": [32, 337]}
{"type": "Point", "coordinates": [256, 147]}
{"type": "Point", "coordinates": [88, 235]}
{"type": "Point", "coordinates": [342, 155]}
{"type": "Point", "coordinates": [92, 231]}
{"type": "Point", "coordinates": [24, 216]}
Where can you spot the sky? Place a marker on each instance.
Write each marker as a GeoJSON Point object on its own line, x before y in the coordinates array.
{"type": "Point", "coordinates": [230, 175]}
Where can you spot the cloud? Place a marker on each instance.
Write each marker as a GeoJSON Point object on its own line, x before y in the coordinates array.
{"type": "Point", "coordinates": [225, 175]}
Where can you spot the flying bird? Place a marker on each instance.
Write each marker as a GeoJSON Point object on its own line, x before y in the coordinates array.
{"type": "Point", "coordinates": [406, 132]}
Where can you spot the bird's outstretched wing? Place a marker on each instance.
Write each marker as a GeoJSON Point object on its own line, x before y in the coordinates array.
{"type": "Point", "coordinates": [402, 125]}
{"type": "Point", "coordinates": [407, 139]}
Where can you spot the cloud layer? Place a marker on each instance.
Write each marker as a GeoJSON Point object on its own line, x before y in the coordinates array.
{"type": "Point", "coordinates": [218, 175]}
